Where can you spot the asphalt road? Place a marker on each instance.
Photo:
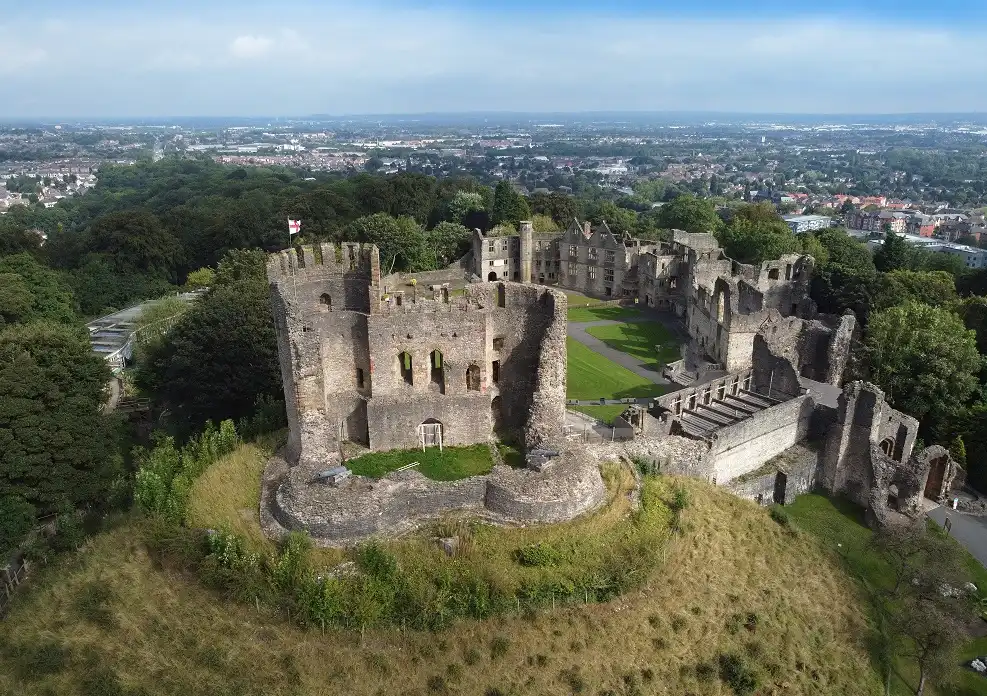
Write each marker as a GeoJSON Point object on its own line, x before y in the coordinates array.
{"type": "Point", "coordinates": [969, 530]}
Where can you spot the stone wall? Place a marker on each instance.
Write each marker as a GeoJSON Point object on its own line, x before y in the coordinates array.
{"type": "Point", "coordinates": [369, 367]}
{"type": "Point", "coordinates": [746, 445]}
{"type": "Point", "coordinates": [360, 507]}
{"type": "Point", "coordinates": [792, 473]}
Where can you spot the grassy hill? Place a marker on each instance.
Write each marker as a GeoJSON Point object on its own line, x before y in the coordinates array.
{"type": "Point", "coordinates": [735, 594]}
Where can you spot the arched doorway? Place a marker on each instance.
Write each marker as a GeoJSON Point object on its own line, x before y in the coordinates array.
{"type": "Point", "coordinates": [937, 474]}
{"type": "Point", "coordinates": [473, 378]}
{"type": "Point", "coordinates": [496, 415]}
{"type": "Point", "coordinates": [781, 487]}
{"type": "Point", "coordinates": [492, 275]}
{"type": "Point", "coordinates": [430, 433]}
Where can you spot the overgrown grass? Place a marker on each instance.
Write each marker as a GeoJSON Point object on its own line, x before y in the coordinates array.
{"type": "Point", "coordinates": [801, 627]}
{"type": "Point", "coordinates": [450, 464]}
{"type": "Point", "coordinates": [650, 342]}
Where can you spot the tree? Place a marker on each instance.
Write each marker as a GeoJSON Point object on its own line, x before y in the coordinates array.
{"type": "Point", "coordinates": [402, 242]}
{"type": "Point", "coordinates": [462, 204]}
{"type": "Point", "coordinates": [16, 520]}
{"type": "Point", "coordinates": [894, 253]}
{"type": "Point", "coordinates": [221, 356]}
{"type": "Point", "coordinates": [690, 214]}
{"type": "Point", "coordinates": [929, 632]}
{"type": "Point", "coordinates": [50, 298]}
{"type": "Point", "coordinates": [200, 278]}
{"type": "Point", "coordinates": [935, 288]}
{"type": "Point", "coordinates": [560, 207]}
{"type": "Point", "coordinates": [958, 450]}
{"type": "Point", "coordinates": [923, 357]}
{"type": "Point", "coordinates": [752, 241]}
{"type": "Point", "coordinates": [136, 241]}
{"type": "Point", "coordinates": [449, 241]}
{"type": "Point", "coordinates": [509, 206]}
{"type": "Point", "coordinates": [544, 224]}
{"type": "Point", "coordinates": [57, 449]}
{"type": "Point", "coordinates": [973, 312]}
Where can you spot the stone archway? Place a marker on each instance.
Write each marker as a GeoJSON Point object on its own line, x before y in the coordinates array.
{"type": "Point", "coordinates": [492, 275]}
{"type": "Point", "coordinates": [430, 433]}
{"type": "Point", "coordinates": [937, 475]}
{"type": "Point", "coordinates": [496, 415]}
{"type": "Point", "coordinates": [781, 487]}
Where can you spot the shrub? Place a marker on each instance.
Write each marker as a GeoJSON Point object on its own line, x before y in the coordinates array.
{"type": "Point", "coordinates": [680, 500]}
{"type": "Point", "coordinates": [437, 684]}
{"type": "Point", "coordinates": [781, 516]}
{"type": "Point", "coordinates": [705, 672]}
{"type": "Point", "coordinates": [646, 467]}
{"type": "Point", "coordinates": [498, 647]}
{"type": "Point", "coordinates": [540, 555]}
{"type": "Point", "coordinates": [735, 673]}
{"type": "Point", "coordinates": [472, 657]}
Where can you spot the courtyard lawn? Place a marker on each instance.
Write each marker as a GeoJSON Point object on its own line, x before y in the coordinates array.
{"type": "Point", "coordinates": [639, 339]}
{"type": "Point", "coordinates": [578, 315]}
{"type": "Point", "coordinates": [591, 376]}
{"type": "Point", "coordinates": [450, 464]}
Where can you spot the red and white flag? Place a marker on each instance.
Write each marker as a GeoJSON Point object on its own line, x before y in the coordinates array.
{"type": "Point", "coordinates": [294, 227]}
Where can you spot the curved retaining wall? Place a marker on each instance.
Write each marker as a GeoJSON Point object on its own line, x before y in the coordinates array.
{"type": "Point", "coordinates": [361, 507]}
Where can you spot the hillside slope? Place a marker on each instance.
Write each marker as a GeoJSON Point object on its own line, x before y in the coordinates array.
{"type": "Point", "coordinates": [733, 583]}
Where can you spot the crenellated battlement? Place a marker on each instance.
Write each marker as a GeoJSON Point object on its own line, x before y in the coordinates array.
{"type": "Point", "coordinates": [323, 260]}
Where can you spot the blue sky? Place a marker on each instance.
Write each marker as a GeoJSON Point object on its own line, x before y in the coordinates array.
{"type": "Point", "coordinates": [296, 57]}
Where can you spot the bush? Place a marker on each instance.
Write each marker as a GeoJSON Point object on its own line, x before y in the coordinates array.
{"type": "Point", "coordinates": [540, 555]}
{"type": "Point", "coordinates": [735, 673]}
{"type": "Point", "coordinates": [498, 647]}
{"type": "Point", "coordinates": [781, 516]}
{"type": "Point", "coordinates": [680, 500]}
{"type": "Point", "coordinates": [705, 672]}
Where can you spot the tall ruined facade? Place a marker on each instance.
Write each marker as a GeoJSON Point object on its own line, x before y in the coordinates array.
{"type": "Point", "coordinates": [398, 370]}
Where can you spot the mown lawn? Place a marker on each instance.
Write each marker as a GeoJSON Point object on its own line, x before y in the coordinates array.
{"type": "Point", "coordinates": [579, 315]}
{"type": "Point", "coordinates": [650, 342]}
{"type": "Point", "coordinates": [592, 376]}
{"type": "Point", "coordinates": [450, 464]}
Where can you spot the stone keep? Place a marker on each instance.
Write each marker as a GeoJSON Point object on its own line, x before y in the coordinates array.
{"type": "Point", "coordinates": [372, 367]}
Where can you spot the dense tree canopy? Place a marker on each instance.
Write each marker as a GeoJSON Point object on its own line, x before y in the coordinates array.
{"type": "Point", "coordinates": [56, 448]}
{"type": "Point", "coordinates": [221, 356]}
{"type": "Point", "coordinates": [33, 292]}
{"type": "Point", "coordinates": [509, 206]}
{"type": "Point", "coordinates": [923, 357]}
{"type": "Point", "coordinates": [690, 214]}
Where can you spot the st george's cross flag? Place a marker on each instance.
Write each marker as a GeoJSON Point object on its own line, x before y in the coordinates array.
{"type": "Point", "coordinates": [294, 227]}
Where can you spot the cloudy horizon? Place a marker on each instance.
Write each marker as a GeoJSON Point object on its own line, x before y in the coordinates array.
{"type": "Point", "coordinates": [388, 58]}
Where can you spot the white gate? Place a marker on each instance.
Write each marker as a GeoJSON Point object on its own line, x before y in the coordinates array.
{"type": "Point", "coordinates": [430, 435]}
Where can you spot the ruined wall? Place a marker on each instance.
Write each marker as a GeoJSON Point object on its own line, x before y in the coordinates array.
{"type": "Point", "coordinates": [362, 366]}
{"type": "Point", "coordinates": [744, 446]}
{"type": "Point", "coordinates": [791, 474]}
{"type": "Point", "coordinates": [360, 507]}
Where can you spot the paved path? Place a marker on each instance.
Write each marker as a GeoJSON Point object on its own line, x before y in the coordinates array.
{"type": "Point", "coordinates": [969, 530]}
{"type": "Point", "coordinates": [577, 331]}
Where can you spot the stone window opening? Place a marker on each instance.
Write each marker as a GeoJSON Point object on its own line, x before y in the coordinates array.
{"type": "Point", "coordinates": [591, 273]}
{"type": "Point", "coordinates": [498, 343]}
{"type": "Point", "coordinates": [573, 251]}
{"type": "Point", "coordinates": [437, 375]}
{"type": "Point", "coordinates": [495, 371]}
{"type": "Point", "coordinates": [501, 296]}
{"type": "Point", "coordinates": [773, 274]}
{"type": "Point", "coordinates": [404, 362]}
{"type": "Point", "coordinates": [398, 299]}
{"type": "Point", "coordinates": [887, 446]}
{"type": "Point", "coordinates": [473, 378]}
{"type": "Point", "coordinates": [788, 272]}
{"type": "Point", "coordinates": [326, 300]}
{"type": "Point", "coordinates": [306, 329]}
{"type": "Point", "coordinates": [722, 391]}
{"type": "Point", "coordinates": [608, 257]}
{"type": "Point", "coordinates": [692, 402]}
{"type": "Point", "coordinates": [592, 254]}
{"type": "Point", "coordinates": [677, 406]}
{"type": "Point", "coordinates": [721, 306]}
{"type": "Point", "coordinates": [445, 295]}
{"type": "Point", "coordinates": [707, 396]}
{"type": "Point", "coordinates": [359, 378]}
{"type": "Point", "coordinates": [491, 246]}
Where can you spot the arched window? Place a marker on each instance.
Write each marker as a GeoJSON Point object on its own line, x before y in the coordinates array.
{"type": "Point", "coordinates": [326, 300]}
{"type": "Point", "coordinates": [473, 378]}
{"type": "Point", "coordinates": [887, 446]}
{"type": "Point", "coordinates": [404, 363]}
{"type": "Point", "coordinates": [436, 373]}
{"type": "Point", "coordinates": [721, 308]}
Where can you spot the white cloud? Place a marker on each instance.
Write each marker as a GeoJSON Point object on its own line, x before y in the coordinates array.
{"type": "Point", "coordinates": [345, 58]}
{"type": "Point", "coordinates": [249, 46]}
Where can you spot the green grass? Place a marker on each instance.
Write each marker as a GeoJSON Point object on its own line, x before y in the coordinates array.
{"type": "Point", "coordinates": [592, 376]}
{"type": "Point", "coordinates": [579, 315]}
{"type": "Point", "coordinates": [639, 339]}
{"type": "Point", "coordinates": [839, 525]}
{"type": "Point", "coordinates": [450, 464]}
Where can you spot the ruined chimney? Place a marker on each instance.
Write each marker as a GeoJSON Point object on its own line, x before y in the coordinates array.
{"type": "Point", "coordinates": [527, 230]}
{"type": "Point", "coordinates": [587, 230]}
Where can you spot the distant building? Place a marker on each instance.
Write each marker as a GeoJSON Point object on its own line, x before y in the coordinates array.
{"type": "Point", "coordinates": [807, 223]}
